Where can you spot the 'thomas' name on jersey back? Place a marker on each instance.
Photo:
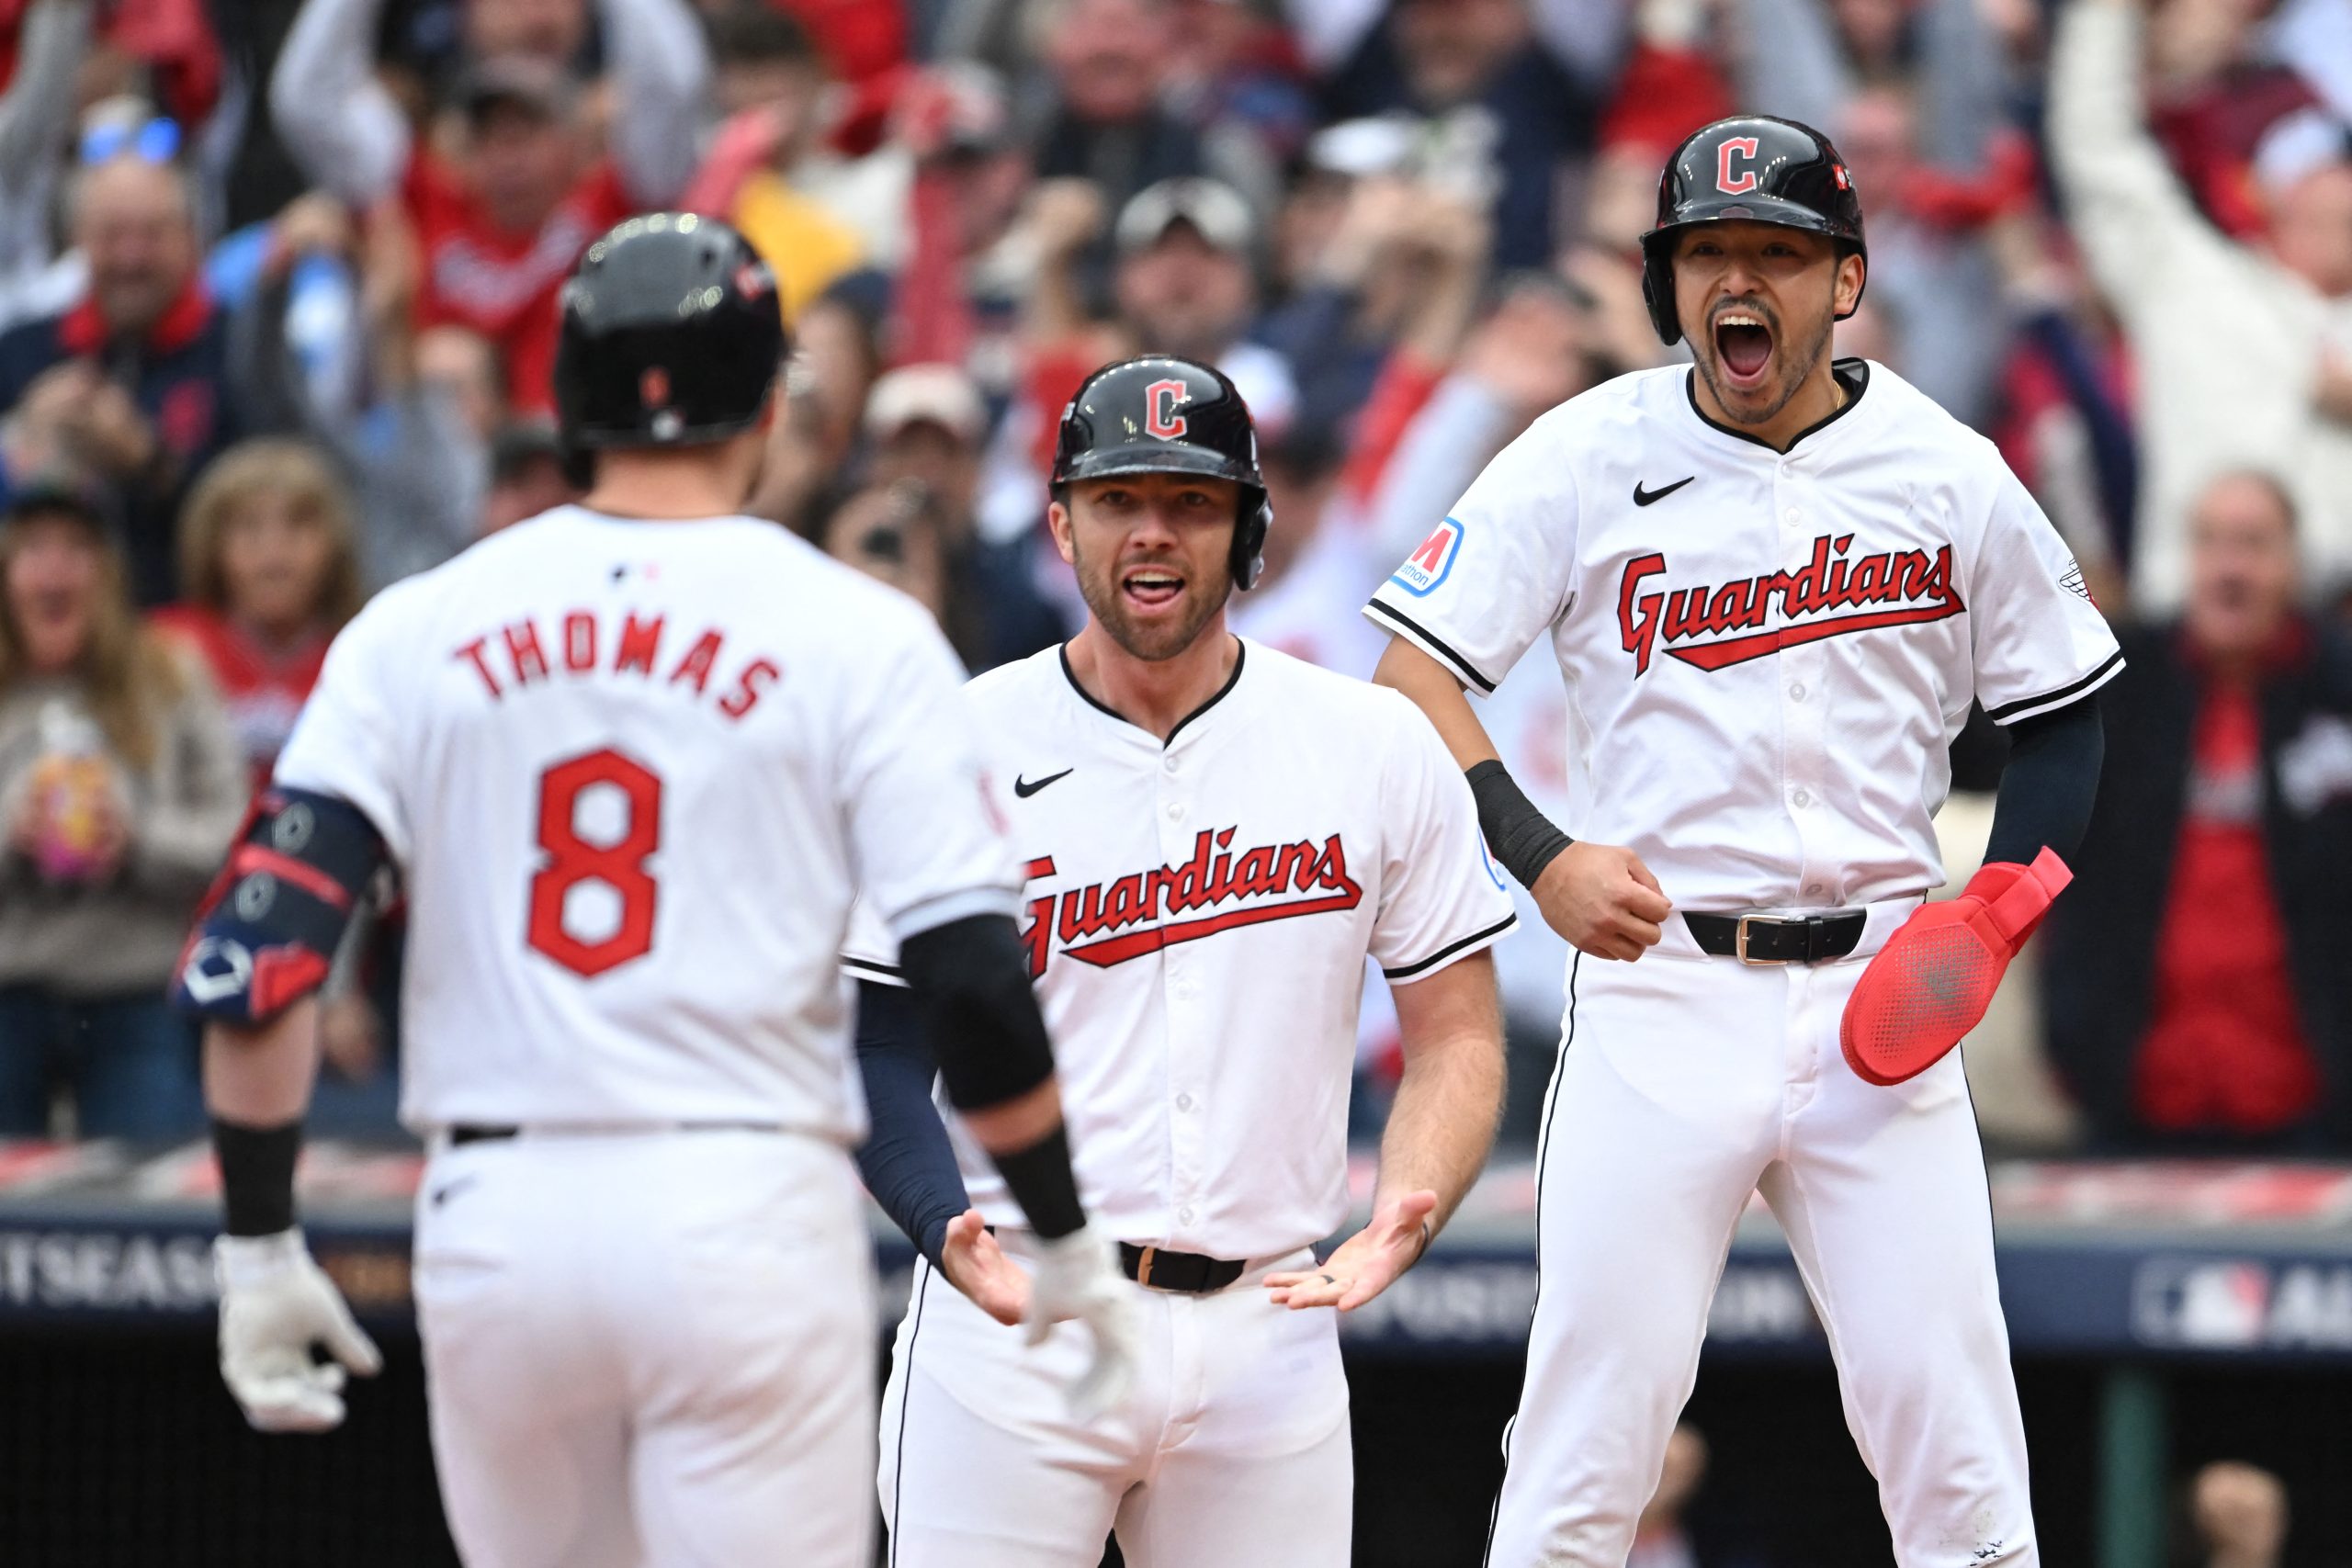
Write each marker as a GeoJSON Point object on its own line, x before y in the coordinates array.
{"type": "Point", "coordinates": [633, 773]}
{"type": "Point", "coordinates": [1767, 654]}
{"type": "Point", "coordinates": [1197, 918]}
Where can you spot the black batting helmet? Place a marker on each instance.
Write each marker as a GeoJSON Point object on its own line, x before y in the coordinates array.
{"type": "Point", "coordinates": [671, 335]}
{"type": "Point", "coordinates": [1749, 169]}
{"type": "Point", "coordinates": [1161, 415]}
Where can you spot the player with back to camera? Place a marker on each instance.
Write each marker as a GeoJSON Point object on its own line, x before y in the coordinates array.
{"type": "Point", "coordinates": [1774, 584]}
{"type": "Point", "coordinates": [631, 757]}
{"type": "Point", "coordinates": [1215, 836]}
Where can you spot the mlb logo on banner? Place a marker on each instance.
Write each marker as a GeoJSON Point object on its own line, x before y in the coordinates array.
{"type": "Point", "coordinates": [1427, 567]}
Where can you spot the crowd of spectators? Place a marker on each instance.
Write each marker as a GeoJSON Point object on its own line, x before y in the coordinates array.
{"type": "Point", "coordinates": [276, 329]}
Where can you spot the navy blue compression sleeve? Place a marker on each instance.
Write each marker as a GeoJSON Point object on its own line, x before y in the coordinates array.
{"type": "Point", "coordinates": [2046, 791]}
{"type": "Point", "coordinates": [906, 1162]}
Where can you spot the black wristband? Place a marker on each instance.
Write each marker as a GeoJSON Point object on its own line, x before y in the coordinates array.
{"type": "Point", "coordinates": [1042, 1182]}
{"type": "Point", "coordinates": [257, 1175]}
{"type": "Point", "coordinates": [1523, 838]}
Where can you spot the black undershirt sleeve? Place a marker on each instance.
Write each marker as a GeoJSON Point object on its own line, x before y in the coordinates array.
{"type": "Point", "coordinates": [906, 1162]}
{"type": "Point", "coordinates": [970, 982]}
{"type": "Point", "coordinates": [2045, 795]}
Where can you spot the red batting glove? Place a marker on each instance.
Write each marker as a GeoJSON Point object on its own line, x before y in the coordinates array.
{"type": "Point", "coordinates": [1932, 981]}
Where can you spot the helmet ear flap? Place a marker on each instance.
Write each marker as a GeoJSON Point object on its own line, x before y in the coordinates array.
{"type": "Point", "coordinates": [1250, 540]}
{"type": "Point", "coordinates": [578, 464]}
{"type": "Point", "coordinates": [1658, 291]}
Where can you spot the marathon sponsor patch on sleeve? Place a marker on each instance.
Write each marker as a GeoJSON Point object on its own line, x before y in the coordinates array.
{"type": "Point", "coordinates": [1428, 565]}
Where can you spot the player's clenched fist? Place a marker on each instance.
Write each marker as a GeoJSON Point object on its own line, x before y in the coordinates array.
{"type": "Point", "coordinates": [1603, 899]}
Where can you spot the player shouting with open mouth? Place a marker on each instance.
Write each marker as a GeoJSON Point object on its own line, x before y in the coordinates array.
{"type": "Point", "coordinates": [1216, 835]}
{"type": "Point", "coordinates": [1774, 585]}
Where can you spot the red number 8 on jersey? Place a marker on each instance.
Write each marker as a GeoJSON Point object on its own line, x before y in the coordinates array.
{"type": "Point", "coordinates": [618, 864]}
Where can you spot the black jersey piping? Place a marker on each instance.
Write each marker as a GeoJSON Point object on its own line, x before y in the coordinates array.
{"type": "Point", "coordinates": [906, 1399]}
{"type": "Point", "coordinates": [1436, 645]}
{"type": "Point", "coordinates": [2002, 715]}
{"type": "Point", "coordinates": [1408, 971]}
{"type": "Point", "coordinates": [1240, 656]}
{"type": "Point", "coordinates": [1860, 383]}
{"type": "Point", "coordinates": [878, 973]}
{"type": "Point", "coordinates": [1543, 1146]}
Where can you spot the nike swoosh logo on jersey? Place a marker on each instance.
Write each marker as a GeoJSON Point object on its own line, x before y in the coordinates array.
{"type": "Point", "coordinates": [452, 1189]}
{"type": "Point", "coordinates": [1025, 789]}
{"type": "Point", "coordinates": [1644, 497]}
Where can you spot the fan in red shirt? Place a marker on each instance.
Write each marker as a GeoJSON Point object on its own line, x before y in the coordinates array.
{"type": "Point", "coordinates": [521, 188]}
{"type": "Point", "coordinates": [269, 560]}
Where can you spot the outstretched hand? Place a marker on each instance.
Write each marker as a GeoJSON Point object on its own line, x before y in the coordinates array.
{"type": "Point", "coordinates": [975, 1265]}
{"type": "Point", "coordinates": [1366, 1263]}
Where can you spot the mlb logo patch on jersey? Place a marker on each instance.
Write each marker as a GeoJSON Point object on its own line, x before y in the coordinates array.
{"type": "Point", "coordinates": [1426, 566]}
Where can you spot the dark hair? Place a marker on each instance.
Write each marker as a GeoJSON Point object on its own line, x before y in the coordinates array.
{"type": "Point", "coordinates": [751, 32]}
{"type": "Point", "coordinates": [55, 496]}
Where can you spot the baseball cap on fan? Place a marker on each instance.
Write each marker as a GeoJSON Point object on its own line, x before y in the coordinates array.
{"type": "Point", "coordinates": [1214, 210]}
{"type": "Point", "coordinates": [926, 394]}
{"type": "Point", "coordinates": [2297, 144]}
{"type": "Point", "coordinates": [963, 104]}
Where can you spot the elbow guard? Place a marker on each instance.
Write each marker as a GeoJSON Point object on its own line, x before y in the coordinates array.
{"type": "Point", "coordinates": [266, 932]}
{"type": "Point", "coordinates": [970, 981]}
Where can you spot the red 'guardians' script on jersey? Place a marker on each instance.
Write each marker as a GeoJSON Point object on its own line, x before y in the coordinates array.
{"type": "Point", "coordinates": [1893, 588]}
{"type": "Point", "coordinates": [1315, 876]}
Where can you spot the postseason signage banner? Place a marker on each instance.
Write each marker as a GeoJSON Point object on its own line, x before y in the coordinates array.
{"type": "Point", "coordinates": [2196, 1262]}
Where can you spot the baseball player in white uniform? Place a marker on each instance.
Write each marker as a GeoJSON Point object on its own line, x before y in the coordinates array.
{"type": "Point", "coordinates": [632, 757]}
{"type": "Point", "coordinates": [1774, 585]}
{"type": "Point", "coordinates": [1215, 836]}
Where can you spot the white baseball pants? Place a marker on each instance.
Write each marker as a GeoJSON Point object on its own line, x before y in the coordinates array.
{"type": "Point", "coordinates": [1231, 1452]}
{"type": "Point", "coordinates": [1686, 1083]}
{"type": "Point", "coordinates": [650, 1348]}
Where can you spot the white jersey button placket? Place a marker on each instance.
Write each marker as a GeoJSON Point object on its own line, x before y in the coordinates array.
{"type": "Point", "coordinates": [1185, 1049]}
{"type": "Point", "coordinates": [1182, 1014]}
{"type": "Point", "coordinates": [1803, 671]}
{"type": "Point", "coordinates": [1182, 1011]}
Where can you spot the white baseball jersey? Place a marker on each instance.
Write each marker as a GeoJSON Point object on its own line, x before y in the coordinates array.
{"type": "Point", "coordinates": [1197, 918]}
{"type": "Point", "coordinates": [1766, 653]}
{"type": "Point", "coordinates": [633, 773]}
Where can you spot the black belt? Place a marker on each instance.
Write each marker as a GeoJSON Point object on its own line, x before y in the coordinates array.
{"type": "Point", "coordinates": [1158, 1268]}
{"type": "Point", "coordinates": [477, 1133]}
{"type": "Point", "coordinates": [1778, 939]}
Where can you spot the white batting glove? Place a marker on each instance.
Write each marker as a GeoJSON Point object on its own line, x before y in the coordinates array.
{"type": "Point", "coordinates": [275, 1303]}
{"type": "Point", "coordinates": [1077, 1277]}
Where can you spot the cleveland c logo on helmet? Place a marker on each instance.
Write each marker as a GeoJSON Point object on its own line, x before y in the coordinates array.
{"type": "Point", "coordinates": [1744, 148]}
{"type": "Point", "coordinates": [1161, 402]}
{"type": "Point", "coordinates": [1750, 168]}
{"type": "Point", "coordinates": [1159, 415]}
